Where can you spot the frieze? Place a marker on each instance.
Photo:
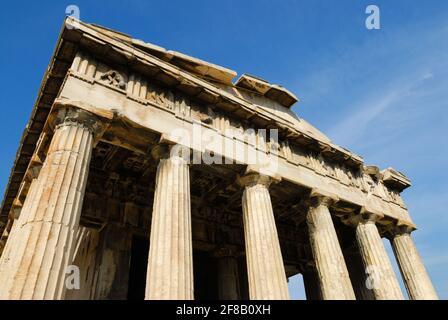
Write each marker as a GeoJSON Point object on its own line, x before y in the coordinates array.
{"type": "Point", "coordinates": [114, 78]}
{"type": "Point", "coordinates": [182, 107]}
{"type": "Point", "coordinates": [160, 97]}
{"type": "Point", "coordinates": [138, 87]}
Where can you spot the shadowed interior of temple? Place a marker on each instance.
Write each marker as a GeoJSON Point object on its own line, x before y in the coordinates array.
{"type": "Point", "coordinates": [118, 206]}
{"type": "Point", "coordinates": [137, 268]}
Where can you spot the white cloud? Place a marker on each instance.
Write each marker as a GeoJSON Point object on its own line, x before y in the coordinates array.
{"type": "Point", "coordinates": [359, 126]}
{"type": "Point", "coordinates": [397, 116]}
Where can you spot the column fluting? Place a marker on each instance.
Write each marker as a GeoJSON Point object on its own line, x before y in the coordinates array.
{"type": "Point", "coordinates": [381, 276]}
{"type": "Point", "coordinates": [266, 272]}
{"type": "Point", "coordinates": [51, 217]}
{"type": "Point", "coordinates": [332, 271]}
{"type": "Point", "coordinates": [415, 276]}
{"type": "Point", "coordinates": [170, 261]}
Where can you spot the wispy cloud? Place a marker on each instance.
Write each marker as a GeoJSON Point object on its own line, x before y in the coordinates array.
{"type": "Point", "coordinates": [396, 114]}
{"type": "Point", "coordinates": [439, 259]}
{"type": "Point", "coordinates": [353, 128]}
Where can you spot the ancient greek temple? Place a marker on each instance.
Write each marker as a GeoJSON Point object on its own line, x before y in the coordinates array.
{"type": "Point", "coordinates": [144, 173]}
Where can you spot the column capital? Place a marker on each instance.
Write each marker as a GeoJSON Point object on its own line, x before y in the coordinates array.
{"type": "Point", "coordinates": [320, 197]}
{"type": "Point", "coordinates": [166, 150]}
{"type": "Point", "coordinates": [160, 151]}
{"type": "Point", "coordinates": [66, 112]}
{"type": "Point", "coordinates": [77, 117]}
{"type": "Point", "coordinates": [398, 230]}
{"type": "Point", "coordinates": [363, 216]}
{"type": "Point", "coordinates": [253, 178]}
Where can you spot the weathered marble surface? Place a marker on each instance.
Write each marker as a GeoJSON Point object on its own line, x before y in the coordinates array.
{"type": "Point", "coordinates": [139, 95]}
{"type": "Point", "coordinates": [266, 272]}
{"type": "Point", "coordinates": [414, 273]}
{"type": "Point", "coordinates": [332, 272]}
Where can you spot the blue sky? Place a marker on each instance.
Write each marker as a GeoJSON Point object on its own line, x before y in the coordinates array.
{"type": "Point", "coordinates": [381, 93]}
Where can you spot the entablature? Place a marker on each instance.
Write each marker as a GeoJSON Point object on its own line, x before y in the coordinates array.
{"type": "Point", "coordinates": [151, 68]}
{"type": "Point", "coordinates": [86, 54]}
{"type": "Point", "coordinates": [142, 91]}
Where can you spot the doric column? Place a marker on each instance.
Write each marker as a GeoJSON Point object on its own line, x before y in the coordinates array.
{"type": "Point", "coordinates": [266, 272]}
{"type": "Point", "coordinates": [228, 273]}
{"type": "Point", "coordinates": [331, 269]}
{"type": "Point", "coordinates": [44, 247]}
{"type": "Point", "coordinates": [8, 254]}
{"type": "Point", "coordinates": [7, 234]}
{"type": "Point", "coordinates": [228, 280]}
{"type": "Point", "coordinates": [170, 261]}
{"type": "Point", "coordinates": [416, 279]}
{"type": "Point", "coordinates": [357, 273]}
{"type": "Point", "coordinates": [381, 280]}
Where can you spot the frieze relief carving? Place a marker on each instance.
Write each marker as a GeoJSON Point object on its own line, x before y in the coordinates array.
{"type": "Point", "coordinates": [206, 116]}
{"type": "Point", "coordinates": [114, 78]}
{"type": "Point", "coordinates": [138, 87]}
{"type": "Point", "coordinates": [274, 147]}
{"type": "Point", "coordinates": [285, 150]}
{"type": "Point", "coordinates": [182, 107]}
{"type": "Point", "coordinates": [160, 97]}
{"type": "Point", "coordinates": [339, 172]}
{"type": "Point", "coordinates": [221, 122]}
{"type": "Point", "coordinates": [343, 176]}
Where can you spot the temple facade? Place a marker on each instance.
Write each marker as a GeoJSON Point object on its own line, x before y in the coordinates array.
{"type": "Point", "coordinates": [144, 173]}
